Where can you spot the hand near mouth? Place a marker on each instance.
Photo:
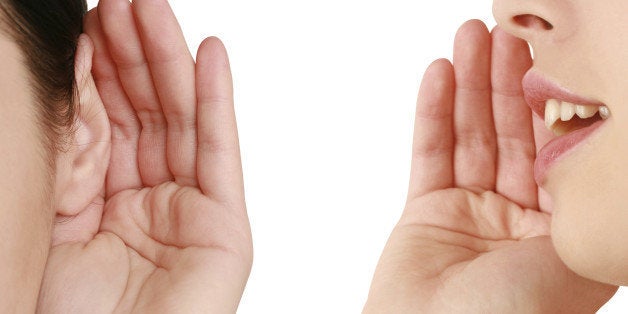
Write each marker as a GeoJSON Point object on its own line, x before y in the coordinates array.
{"type": "Point", "coordinates": [472, 238]}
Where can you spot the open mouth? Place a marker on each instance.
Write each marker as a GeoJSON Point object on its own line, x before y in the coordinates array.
{"type": "Point", "coordinates": [571, 117]}
{"type": "Point", "coordinates": [564, 111]}
{"type": "Point", "coordinates": [563, 117]}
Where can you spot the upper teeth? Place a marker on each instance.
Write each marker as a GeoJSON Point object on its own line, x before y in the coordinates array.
{"type": "Point", "coordinates": [555, 109]}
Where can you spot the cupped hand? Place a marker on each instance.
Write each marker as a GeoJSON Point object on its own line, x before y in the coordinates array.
{"type": "Point", "coordinates": [172, 233]}
{"type": "Point", "coordinates": [472, 238]}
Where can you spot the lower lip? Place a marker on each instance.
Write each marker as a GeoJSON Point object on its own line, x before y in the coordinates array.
{"type": "Point", "coordinates": [558, 148]}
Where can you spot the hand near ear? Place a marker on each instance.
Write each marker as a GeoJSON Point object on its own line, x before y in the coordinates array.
{"type": "Point", "coordinates": [472, 238]}
{"type": "Point", "coordinates": [168, 230]}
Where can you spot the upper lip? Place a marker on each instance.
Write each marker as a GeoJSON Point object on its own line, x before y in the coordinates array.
{"type": "Point", "coordinates": [537, 89]}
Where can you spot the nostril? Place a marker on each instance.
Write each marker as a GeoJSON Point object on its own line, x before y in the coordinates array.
{"type": "Point", "coordinates": [532, 21]}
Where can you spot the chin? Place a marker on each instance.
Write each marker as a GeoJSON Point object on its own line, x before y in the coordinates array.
{"type": "Point", "coordinates": [593, 246]}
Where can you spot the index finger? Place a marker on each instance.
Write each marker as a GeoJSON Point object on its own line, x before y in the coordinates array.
{"type": "Point", "coordinates": [218, 158]}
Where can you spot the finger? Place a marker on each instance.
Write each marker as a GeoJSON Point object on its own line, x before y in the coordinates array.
{"type": "Point", "coordinates": [541, 137]}
{"type": "Point", "coordinates": [172, 69]}
{"type": "Point", "coordinates": [475, 151]}
{"type": "Point", "coordinates": [123, 172]}
{"type": "Point", "coordinates": [219, 165]}
{"type": "Point", "coordinates": [513, 120]}
{"type": "Point", "coordinates": [126, 49]}
{"type": "Point", "coordinates": [433, 147]}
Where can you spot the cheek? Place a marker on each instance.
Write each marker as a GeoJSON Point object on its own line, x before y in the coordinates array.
{"type": "Point", "coordinates": [25, 209]}
{"type": "Point", "coordinates": [23, 183]}
{"type": "Point", "coordinates": [590, 222]}
{"type": "Point", "coordinates": [23, 166]}
{"type": "Point", "coordinates": [24, 193]}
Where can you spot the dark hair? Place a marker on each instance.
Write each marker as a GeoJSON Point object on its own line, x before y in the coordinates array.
{"type": "Point", "coordinates": [47, 32]}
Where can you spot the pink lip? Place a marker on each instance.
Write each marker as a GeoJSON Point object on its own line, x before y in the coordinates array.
{"type": "Point", "coordinates": [537, 90]}
{"type": "Point", "coordinates": [556, 148]}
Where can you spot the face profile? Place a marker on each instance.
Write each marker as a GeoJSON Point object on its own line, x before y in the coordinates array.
{"type": "Point", "coordinates": [580, 59]}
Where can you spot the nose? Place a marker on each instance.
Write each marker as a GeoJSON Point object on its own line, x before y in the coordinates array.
{"type": "Point", "coordinates": [532, 20]}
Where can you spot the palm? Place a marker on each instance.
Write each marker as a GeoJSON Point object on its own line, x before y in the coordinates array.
{"type": "Point", "coordinates": [171, 233]}
{"type": "Point", "coordinates": [489, 253]}
{"type": "Point", "coordinates": [174, 238]}
{"type": "Point", "coordinates": [157, 249]}
{"type": "Point", "coordinates": [473, 237]}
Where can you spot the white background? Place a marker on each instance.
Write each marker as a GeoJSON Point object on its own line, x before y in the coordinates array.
{"type": "Point", "coordinates": [325, 94]}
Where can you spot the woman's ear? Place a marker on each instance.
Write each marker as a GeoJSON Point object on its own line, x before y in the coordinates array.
{"type": "Point", "coordinates": [82, 165]}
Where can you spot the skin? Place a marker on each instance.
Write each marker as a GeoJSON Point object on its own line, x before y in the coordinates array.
{"type": "Point", "coordinates": [25, 188]}
{"type": "Point", "coordinates": [586, 53]}
{"type": "Point", "coordinates": [472, 237]}
{"type": "Point", "coordinates": [167, 231]}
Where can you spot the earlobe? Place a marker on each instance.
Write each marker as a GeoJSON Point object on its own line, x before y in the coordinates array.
{"type": "Point", "coordinates": [82, 165]}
